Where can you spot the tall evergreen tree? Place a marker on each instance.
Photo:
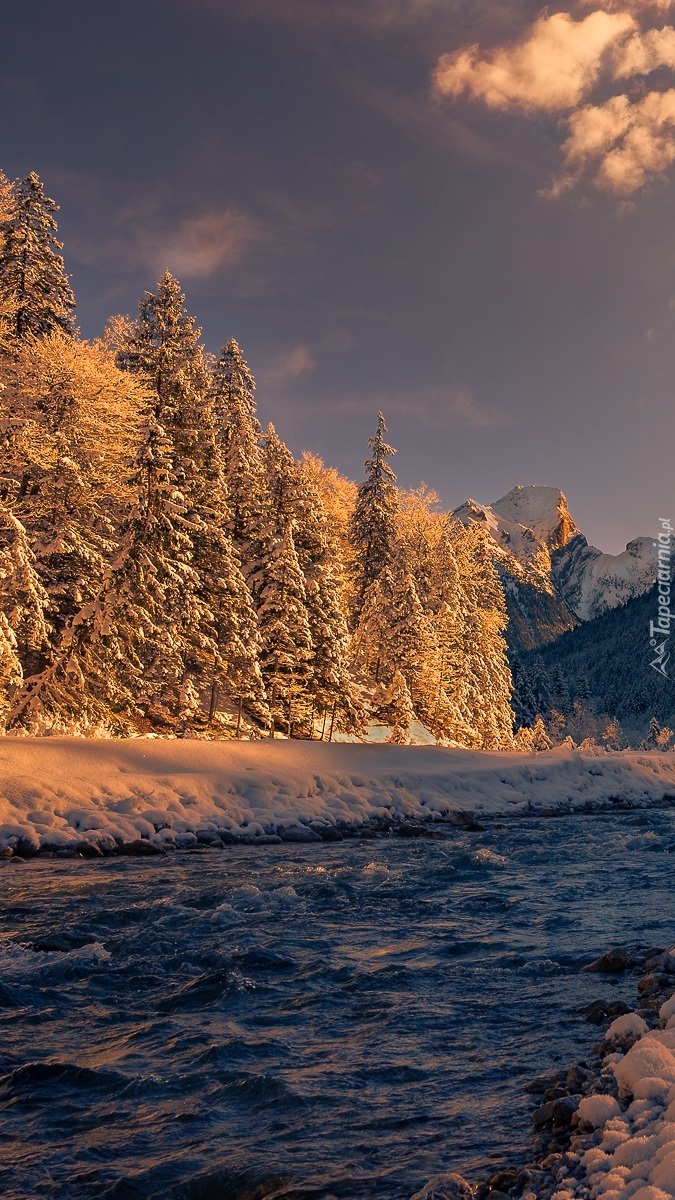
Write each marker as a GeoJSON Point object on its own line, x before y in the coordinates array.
{"type": "Point", "coordinates": [284, 631]}
{"type": "Point", "coordinates": [121, 659]}
{"type": "Point", "coordinates": [218, 625]}
{"type": "Point", "coordinates": [70, 421]}
{"type": "Point", "coordinates": [319, 556]}
{"type": "Point", "coordinates": [239, 433]}
{"type": "Point", "coordinates": [32, 273]}
{"type": "Point", "coordinates": [373, 524]}
{"type": "Point", "coordinates": [524, 703]}
{"type": "Point", "coordinates": [23, 600]}
{"type": "Point", "coordinates": [227, 655]}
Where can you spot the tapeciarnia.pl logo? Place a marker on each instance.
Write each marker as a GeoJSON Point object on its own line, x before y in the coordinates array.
{"type": "Point", "coordinates": [660, 629]}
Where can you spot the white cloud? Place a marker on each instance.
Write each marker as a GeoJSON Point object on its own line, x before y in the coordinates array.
{"type": "Point", "coordinates": [621, 142]}
{"type": "Point", "coordinates": [551, 69]}
{"type": "Point", "coordinates": [624, 143]}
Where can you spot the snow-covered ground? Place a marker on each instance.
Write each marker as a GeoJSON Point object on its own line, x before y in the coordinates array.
{"type": "Point", "coordinates": [634, 1153]}
{"type": "Point", "coordinates": [68, 792]}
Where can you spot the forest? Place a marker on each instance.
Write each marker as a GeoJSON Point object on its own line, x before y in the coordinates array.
{"type": "Point", "coordinates": [168, 567]}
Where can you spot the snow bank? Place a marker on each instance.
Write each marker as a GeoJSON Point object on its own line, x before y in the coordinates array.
{"type": "Point", "coordinates": [634, 1158]}
{"type": "Point", "coordinates": [68, 792]}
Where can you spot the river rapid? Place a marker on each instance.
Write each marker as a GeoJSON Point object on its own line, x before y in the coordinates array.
{"type": "Point", "coordinates": [333, 1020]}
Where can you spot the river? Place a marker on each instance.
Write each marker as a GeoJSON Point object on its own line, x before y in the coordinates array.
{"type": "Point", "coordinates": [334, 1020]}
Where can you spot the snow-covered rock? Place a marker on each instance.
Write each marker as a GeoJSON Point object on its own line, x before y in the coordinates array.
{"type": "Point", "coordinates": [633, 1155]}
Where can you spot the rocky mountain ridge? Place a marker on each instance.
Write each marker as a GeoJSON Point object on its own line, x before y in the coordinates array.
{"type": "Point", "coordinates": [552, 577]}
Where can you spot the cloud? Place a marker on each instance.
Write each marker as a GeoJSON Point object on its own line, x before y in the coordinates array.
{"type": "Point", "coordinates": [637, 6]}
{"type": "Point", "coordinates": [465, 410]}
{"type": "Point", "coordinates": [625, 143]}
{"type": "Point", "coordinates": [201, 246]}
{"type": "Point", "coordinates": [290, 365]}
{"type": "Point", "coordinates": [551, 69]}
{"type": "Point", "coordinates": [645, 52]}
{"type": "Point", "coordinates": [564, 67]}
{"type": "Point", "coordinates": [192, 247]}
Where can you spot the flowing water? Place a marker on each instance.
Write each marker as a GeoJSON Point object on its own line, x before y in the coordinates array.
{"type": "Point", "coordinates": [307, 1021]}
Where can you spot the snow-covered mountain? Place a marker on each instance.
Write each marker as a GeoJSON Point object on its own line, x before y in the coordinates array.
{"type": "Point", "coordinates": [546, 562]}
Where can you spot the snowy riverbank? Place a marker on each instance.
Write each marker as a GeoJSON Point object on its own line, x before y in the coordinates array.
{"type": "Point", "coordinates": [624, 1147]}
{"type": "Point", "coordinates": [70, 794]}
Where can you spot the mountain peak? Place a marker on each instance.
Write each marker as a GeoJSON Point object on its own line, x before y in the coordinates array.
{"type": "Point", "coordinates": [541, 509]}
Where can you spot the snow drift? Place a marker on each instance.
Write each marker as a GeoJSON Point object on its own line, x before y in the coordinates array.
{"type": "Point", "coordinates": [71, 793]}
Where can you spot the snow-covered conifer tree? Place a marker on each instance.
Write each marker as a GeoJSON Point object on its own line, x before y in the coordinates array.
{"type": "Point", "coordinates": [239, 433]}
{"type": "Point", "coordinates": [394, 633]}
{"type": "Point", "coordinates": [121, 659]}
{"type": "Point", "coordinates": [69, 422]}
{"type": "Point", "coordinates": [229, 647]}
{"type": "Point", "coordinates": [373, 524]}
{"type": "Point", "coordinates": [398, 710]}
{"type": "Point", "coordinates": [32, 273]}
{"type": "Point", "coordinates": [485, 687]}
{"type": "Point", "coordinates": [23, 600]}
{"type": "Point", "coordinates": [318, 548]}
{"type": "Point", "coordinates": [286, 653]}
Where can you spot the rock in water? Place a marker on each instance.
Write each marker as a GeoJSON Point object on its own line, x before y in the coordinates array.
{"type": "Point", "coordinates": [611, 962]}
{"type": "Point", "coordinates": [445, 1187]}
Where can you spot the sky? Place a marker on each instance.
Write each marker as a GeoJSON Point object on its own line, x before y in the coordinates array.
{"type": "Point", "coordinates": [457, 211]}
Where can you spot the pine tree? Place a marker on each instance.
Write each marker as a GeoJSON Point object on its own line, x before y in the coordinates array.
{"type": "Point", "coordinates": [23, 600]}
{"type": "Point", "coordinates": [533, 738]}
{"type": "Point", "coordinates": [32, 274]}
{"type": "Point", "coordinates": [285, 636]}
{"type": "Point", "coordinates": [121, 659]}
{"type": "Point", "coordinates": [373, 524]}
{"type": "Point", "coordinates": [318, 551]}
{"type": "Point", "coordinates": [484, 690]}
{"type": "Point", "coordinates": [239, 434]}
{"type": "Point", "coordinates": [162, 347]}
{"type": "Point", "coordinates": [524, 702]}
{"type": "Point", "coordinates": [394, 633]}
{"type": "Point", "coordinates": [70, 421]}
{"type": "Point", "coordinates": [228, 653]}
{"type": "Point", "coordinates": [657, 737]}
{"type": "Point", "coordinates": [399, 710]}
{"type": "Point", "coordinates": [446, 613]}
{"type": "Point", "coordinates": [560, 692]}
{"type": "Point", "coordinates": [10, 669]}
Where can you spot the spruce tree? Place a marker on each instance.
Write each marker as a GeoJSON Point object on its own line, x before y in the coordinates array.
{"type": "Point", "coordinates": [70, 421]}
{"type": "Point", "coordinates": [319, 555]}
{"type": "Point", "coordinates": [524, 703]}
{"type": "Point", "coordinates": [373, 524]}
{"type": "Point", "coordinates": [399, 710]}
{"type": "Point", "coordinates": [120, 661]}
{"type": "Point", "coordinates": [33, 280]}
{"type": "Point", "coordinates": [228, 652]}
{"type": "Point", "coordinates": [23, 600]}
{"type": "Point", "coordinates": [285, 636]}
{"type": "Point", "coordinates": [485, 687]}
{"type": "Point", "coordinates": [239, 434]}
